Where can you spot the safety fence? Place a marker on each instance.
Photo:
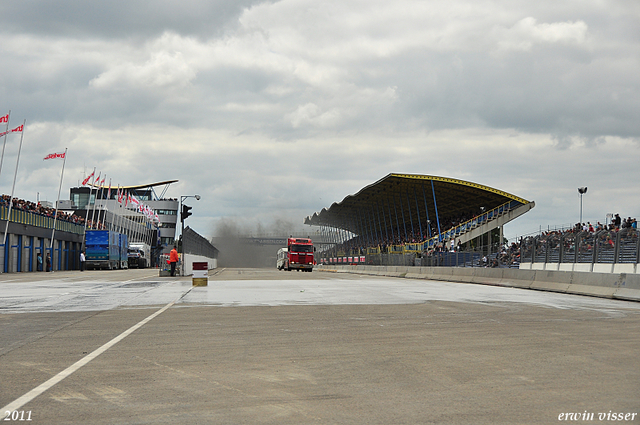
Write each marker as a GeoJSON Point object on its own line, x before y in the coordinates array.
{"type": "Point", "coordinates": [605, 246]}
{"type": "Point", "coordinates": [195, 244]}
{"type": "Point", "coordinates": [467, 258]}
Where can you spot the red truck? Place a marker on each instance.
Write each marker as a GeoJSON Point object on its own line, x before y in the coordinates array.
{"type": "Point", "coordinates": [298, 255]}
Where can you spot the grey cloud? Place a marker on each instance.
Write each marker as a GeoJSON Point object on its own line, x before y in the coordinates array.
{"type": "Point", "coordinates": [238, 109]}
{"type": "Point", "coordinates": [124, 19]}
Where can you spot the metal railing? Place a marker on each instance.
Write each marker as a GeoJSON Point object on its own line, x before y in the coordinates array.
{"type": "Point", "coordinates": [198, 245]}
{"type": "Point", "coordinates": [472, 224]}
{"type": "Point", "coordinates": [477, 257]}
{"type": "Point", "coordinates": [605, 246]}
{"type": "Point", "coordinates": [30, 218]}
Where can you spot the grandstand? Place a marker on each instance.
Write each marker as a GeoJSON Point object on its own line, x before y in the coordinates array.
{"type": "Point", "coordinates": [612, 250]}
{"type": "Point", "coordinates": [412, 213]}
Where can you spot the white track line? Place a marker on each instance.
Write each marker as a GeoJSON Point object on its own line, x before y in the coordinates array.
{"type": "Point", "coordinates": [18, 403]}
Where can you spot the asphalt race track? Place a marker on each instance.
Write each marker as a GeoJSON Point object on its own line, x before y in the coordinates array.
{"type": "Point", "coordinates": [258, 346]}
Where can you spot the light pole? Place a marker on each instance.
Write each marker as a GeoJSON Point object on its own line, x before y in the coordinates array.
{"type": "Point", "coordinates": [581, 191]}
{"type": "Point", "coordinates": [184, 213]}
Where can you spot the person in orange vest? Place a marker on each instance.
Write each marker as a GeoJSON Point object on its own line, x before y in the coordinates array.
{"type": "Point", "coordinates": [173, 260]}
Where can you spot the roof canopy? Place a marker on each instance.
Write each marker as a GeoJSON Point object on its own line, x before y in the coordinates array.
{"type": "Point", "coordinates": [400, 199]}
{"type": "Point", "coordinates": [139, 186]}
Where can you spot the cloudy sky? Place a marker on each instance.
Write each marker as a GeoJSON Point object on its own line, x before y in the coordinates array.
{"type": "Point", "coordinates": [273, 110]}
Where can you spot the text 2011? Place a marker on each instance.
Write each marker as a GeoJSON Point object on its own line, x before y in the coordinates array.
{"type": "Point", "coordinates": [17, 415]}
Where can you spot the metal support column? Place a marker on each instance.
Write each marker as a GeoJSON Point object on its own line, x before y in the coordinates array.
{"type": "Point", "coordinates": [390, 224]}
{"type": "Point", "coordinates": [363, 234]}
{"type": "Point", "coordinates": [404, 223]}
{"type": "Point", "coordinates": [372, 224]}
{"type": "Point", "coordinates": [435, 205]}
{"type": "Point", "coordinates": [418, 210]}
{"type": "Point", "coordinates": [376, 212]}
{"type": "Point", "coordinates": [413, 232]}
{"type": "Point", "coordinates": [426, 208]}
{"type": "Point", "coordinates": [386, 231]}
{"type": "Point", "coordinates": [397, 220]}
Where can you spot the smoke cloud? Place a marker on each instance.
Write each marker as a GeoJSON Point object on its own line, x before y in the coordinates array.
{"type": "Point", "coordinates": [232, 238]}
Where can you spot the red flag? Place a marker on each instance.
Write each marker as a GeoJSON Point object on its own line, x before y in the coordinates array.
{"type": "Point", "coordinates": [4, 132]}
{"type": "Point", "coordinates": [4, 119]}
{"type": "Point", "coordinates": [54, 156]}
{"type": "Point", "coordinates": [85, 181]}
{"type": "Point", "coordinates": [103, 179]}
{"type": "Point", "coordinates": [18, 129]}
{"type": "Point", "coordinates": [109, 192]}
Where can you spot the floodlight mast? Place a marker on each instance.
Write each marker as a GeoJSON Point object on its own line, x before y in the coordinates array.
{"type": "Point", "coordinates": [581, 191]}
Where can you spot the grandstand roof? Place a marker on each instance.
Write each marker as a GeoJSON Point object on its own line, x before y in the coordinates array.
{"type": "Point", "coordinates": [139, 186]}
{"type": "Point", "coordinates": [409, 196]}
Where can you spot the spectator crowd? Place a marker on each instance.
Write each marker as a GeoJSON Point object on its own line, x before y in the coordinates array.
{"type": "Point", "coordinates": [37, 208]}
{"type": "Point", "coordinates": [503, 255]}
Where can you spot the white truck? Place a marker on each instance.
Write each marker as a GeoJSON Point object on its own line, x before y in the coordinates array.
{"type": "Point", "coordinates": [139, 255]}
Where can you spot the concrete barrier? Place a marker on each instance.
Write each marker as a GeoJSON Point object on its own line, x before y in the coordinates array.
{"type": "Point", "coordinates": [623, 286]}
{"type": "Point", "coordinates": [555, 281]}
{"type": "Point", "coordinates": [602, 268]}
{"type": "Point", "coordinates": [565, 267]}
{"type": "Point", "coordinates": [582, 267]}
{"type": "Point", "coordinates": [624, 268]}
{"type": "Point", "coordinates": [464, 274]}
{"type": "Point", "coordinates": [518, 279]}
{"type": "Point", "coordinates": [487, 276]}
{"type": "Point", "coordinates": [629, 288]}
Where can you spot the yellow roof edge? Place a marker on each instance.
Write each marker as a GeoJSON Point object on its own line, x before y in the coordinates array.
{"type": "Point", "coordinates": [460, 182]}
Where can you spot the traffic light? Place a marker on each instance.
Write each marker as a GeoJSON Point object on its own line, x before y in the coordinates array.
{"type": "Point", "coordinates": [185, 212]}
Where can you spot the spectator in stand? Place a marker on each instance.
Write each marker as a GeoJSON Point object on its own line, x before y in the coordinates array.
{"type": "Point", "coordinates": [31, 207]}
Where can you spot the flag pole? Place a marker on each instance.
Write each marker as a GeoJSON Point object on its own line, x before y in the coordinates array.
{"type": "Point", "coordinates": [101, 203]}
{"type": "Point", "coordinates": [55, 216]}
{"type": "Point", "coordinates": [15, 174]}
{"type": "Point", "coordinates": [86, 214]}
{"type": "Point", "coordinates": [6, 131]}
{"type": "Point", "coordinates": [104, 215]}
{"type": "Point", "coordinates": [119, 216]}
{"type": "Point", "coordinates": [95, 200]}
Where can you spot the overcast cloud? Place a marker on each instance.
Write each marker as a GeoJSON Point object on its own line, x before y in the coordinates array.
{"type": "Point", "coordinates": [278, 109]}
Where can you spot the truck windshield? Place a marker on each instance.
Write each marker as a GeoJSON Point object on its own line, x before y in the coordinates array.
{"type": "Point", "coordinates": [301, 248]}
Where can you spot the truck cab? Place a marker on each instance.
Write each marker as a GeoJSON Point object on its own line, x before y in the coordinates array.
{"type": "Point", "coordinates": [300, 254]}
{"type": "Point", "coordinates": [139, 255]}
